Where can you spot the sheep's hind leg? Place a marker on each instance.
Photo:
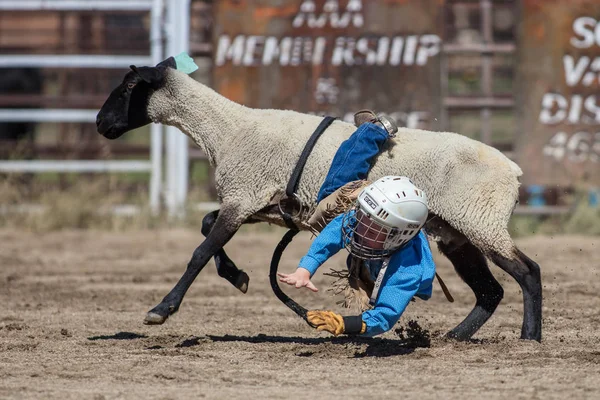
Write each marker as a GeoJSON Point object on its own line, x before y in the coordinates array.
{"type": "Point", "coordinates": [225, 227]}
{"type": "Point", "coordinates": [225, 267]}
{"type": "Point", "coordinates": [527, 274]}
{"type": "Point", "coordinates": [471, 265]}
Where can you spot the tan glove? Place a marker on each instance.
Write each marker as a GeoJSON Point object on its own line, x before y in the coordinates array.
{"type": "Point", "coordinates": [326, 321]}
{"type": "Point", "coordinates": [331, 322]}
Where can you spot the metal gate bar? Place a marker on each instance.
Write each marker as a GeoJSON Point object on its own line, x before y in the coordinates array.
{"type": "Point", "coordinates": [154, 165]}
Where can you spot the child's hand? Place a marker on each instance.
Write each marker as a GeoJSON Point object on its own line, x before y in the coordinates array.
{"type": "Point", "coordinates": [300, 278]}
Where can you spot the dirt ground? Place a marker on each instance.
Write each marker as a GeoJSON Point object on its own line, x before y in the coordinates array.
{"type": "Point", "coordinates": [73, 304]}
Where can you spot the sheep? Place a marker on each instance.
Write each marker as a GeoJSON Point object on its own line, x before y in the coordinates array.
{"type": "Point", "coordinates": [472, 187]}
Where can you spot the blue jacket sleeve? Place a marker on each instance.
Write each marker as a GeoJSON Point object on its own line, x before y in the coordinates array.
{"type": "Point", "coordinates": [325, 245]}
{"type": "Point", "coordinates": [402, 280]}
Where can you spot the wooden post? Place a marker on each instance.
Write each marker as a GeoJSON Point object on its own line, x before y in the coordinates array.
{"type": "Point", "coordinates": [486, 70]}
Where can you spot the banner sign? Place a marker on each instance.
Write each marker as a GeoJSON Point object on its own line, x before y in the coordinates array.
{"type": "Point", "coordinates": [331, 56]}
{"type": "Point", "coordinates": [559, 92]}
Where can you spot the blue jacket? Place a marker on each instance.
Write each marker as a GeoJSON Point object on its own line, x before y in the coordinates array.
{"type": "Point", "coordinates": [410, 272]}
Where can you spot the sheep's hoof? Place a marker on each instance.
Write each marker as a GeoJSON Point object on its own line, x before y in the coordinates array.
{"type": "Point", "coordinates": [153, 318]}
{"type": "Point", "coordinates": [457, 335]}
{"type": "Point", "coordinates": [242, 282]}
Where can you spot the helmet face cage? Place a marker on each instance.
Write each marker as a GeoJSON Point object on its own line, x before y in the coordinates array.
{"type": "Point", "coordinates": [368, 239]}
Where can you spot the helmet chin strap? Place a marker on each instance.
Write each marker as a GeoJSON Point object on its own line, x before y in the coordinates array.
{"type": "Point", "coordinates": [378, 281]}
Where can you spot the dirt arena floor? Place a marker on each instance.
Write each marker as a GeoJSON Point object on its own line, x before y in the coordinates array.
{"type": "Point", "coordinates": [73, 304]}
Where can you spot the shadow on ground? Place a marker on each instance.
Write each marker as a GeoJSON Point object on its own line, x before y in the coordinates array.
{"type": "Point", "coordinates": [119, 336]}
{"type": "Point", "coordinates": [364, 347]}
{"type": "Point", "coordinates": [355, 347]}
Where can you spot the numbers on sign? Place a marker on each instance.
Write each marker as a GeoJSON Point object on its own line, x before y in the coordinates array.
{"type": "Point", "coordinates": [595, 153]}
{"type": "Point", "coordinates": [556, 146]}
{"type": "Point", "coordinates": [577, 148]}
{"type": "Point", "coordinates": [326, 91]}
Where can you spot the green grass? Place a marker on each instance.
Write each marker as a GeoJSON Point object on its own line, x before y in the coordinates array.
{"type": "Point", "coordinates": [583, 220]}
{"type": "Point", "coordinates": [468, 123]}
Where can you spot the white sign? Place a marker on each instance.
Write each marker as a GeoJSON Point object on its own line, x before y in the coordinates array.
{"type": "Point", "coordinates": [294, 51]}
{"type": "Point", "coordinates": [577, 109]}
{"type": "Point", "coordinates": [577, 147]}
{"type": "Point", "coordinates": [331, 15]}
{"type": "Point", "coordinates": [326, 91]}
{"type": "Point", "coordinates": [334, 50]}
{"type": "Point", "coordinates": [583, 70]}
{"type": "Point", "coordinates": [587, 33]}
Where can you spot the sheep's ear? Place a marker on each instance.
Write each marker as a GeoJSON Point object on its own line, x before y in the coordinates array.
{"type": "Point", "coordinates": [169, 62]}
{"type": "Point", "coordinates": [150, 75]}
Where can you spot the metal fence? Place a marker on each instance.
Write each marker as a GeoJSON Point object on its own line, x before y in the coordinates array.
{"type": "Point", "coordinates": [169, 26]}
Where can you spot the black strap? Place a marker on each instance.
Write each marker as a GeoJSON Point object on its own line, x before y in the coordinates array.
{"type": "Point", "coordinates": [289, 221]}
{"type": "Point", "coordinates": [292, 185]}
{"type": "Point", "coordinates": [290, 192]}
{"type": "Point", "coordinates": [297, 308]}
{"type": "Point", "coordinates": [353, 324]}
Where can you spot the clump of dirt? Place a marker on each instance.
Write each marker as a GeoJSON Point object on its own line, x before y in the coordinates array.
{"type": "Point", "coordinates": [14, 326]}
{"type": "Point", "coordinates": [414, 335]}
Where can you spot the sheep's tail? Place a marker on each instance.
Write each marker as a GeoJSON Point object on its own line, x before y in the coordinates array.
{"type": "Point", "coordinates": [515, 168]}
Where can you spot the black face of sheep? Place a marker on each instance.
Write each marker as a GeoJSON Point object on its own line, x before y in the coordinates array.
{"type": "Point", "coordinates": [127, 106]}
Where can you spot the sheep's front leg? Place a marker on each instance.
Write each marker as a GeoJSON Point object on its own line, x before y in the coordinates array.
{"type": "Point", "coordinates": [225, 267]}
{"type": "Point", "coordinates": [225, 227]}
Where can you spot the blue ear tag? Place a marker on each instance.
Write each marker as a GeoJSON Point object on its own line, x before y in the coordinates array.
{"type": "Point", "coordinates": [185, 63]}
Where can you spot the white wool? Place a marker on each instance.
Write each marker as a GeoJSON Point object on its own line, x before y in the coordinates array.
{"type": "Point", "coordinates": [471, 186]}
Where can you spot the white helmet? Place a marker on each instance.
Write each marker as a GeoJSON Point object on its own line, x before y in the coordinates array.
{"type": "Point", "coordinates": [387, 214]}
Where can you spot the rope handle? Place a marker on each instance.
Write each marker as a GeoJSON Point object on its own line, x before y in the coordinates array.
{"type": "Point", "coordinates": [444, 289]}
